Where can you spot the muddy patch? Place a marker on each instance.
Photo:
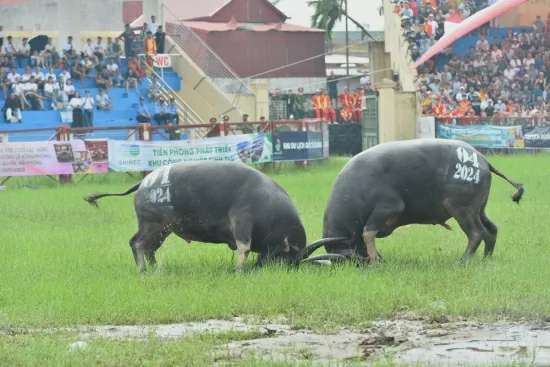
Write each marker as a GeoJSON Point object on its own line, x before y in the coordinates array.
{"type": "Point", "coordinates": [409, 342]}
{"type": "Point", "coordinates": [406, 340]}
{"type": "Point", "coordinates": [181, 330]}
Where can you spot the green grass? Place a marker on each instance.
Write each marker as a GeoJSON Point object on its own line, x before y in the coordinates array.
{"type": "Point", "coordinates": [64, 263]}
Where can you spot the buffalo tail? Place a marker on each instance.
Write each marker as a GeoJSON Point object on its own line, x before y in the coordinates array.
{"type": "Point", "coordinates": [517, 196]}
{"type": "Point", "coordinates": [92, 199]}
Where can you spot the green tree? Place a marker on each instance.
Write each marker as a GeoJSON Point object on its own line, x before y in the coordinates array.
{"type": "Point", "coordinates": [329, 12]}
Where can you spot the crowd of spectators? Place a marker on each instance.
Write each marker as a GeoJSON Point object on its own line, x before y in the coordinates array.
{"type": "Point", "coordinates": [48, 76]}
{"type": "Point", "coordinates": [423, 21]}
{"type": "Point", "coordinates": [504, 79]}
{"type": "Point", "coordinates": [328, 103]}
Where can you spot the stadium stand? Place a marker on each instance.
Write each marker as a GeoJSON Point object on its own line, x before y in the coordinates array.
{"type": "Point", "coordinates": [493, 73]}
{"type": "Point", "coordinates": [47, 107]}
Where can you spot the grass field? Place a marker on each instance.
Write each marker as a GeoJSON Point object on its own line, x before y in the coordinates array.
{"type": "Point", "coordinates": [65, 263]}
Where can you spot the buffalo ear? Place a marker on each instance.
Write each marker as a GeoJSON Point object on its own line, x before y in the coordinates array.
{"type": "Point", "coordinates": [323, 242]}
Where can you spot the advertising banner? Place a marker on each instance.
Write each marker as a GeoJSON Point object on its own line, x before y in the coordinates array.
{"type": "Point", "coordinates": [538, 138]}
{"type": "Point", "coordinates": [298, 145]}
{"type": "Point", "coordinates": [425, 127]}
{"type": "Point", "coordinates": [126, 156]}
{"type": "Point", "coordinates": [53, 158]}
{"type": "Point", "coordinates": [484, 136]}
{"type": "Point", "coordinates": [162, 61]}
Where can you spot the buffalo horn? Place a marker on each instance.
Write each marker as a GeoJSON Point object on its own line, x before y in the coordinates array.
{"type": "Point", "coordinates": [318, 244]}
{"type": "Point", "coordinates": [324, 258]}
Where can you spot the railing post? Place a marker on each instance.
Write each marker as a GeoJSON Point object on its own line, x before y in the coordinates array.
{"type": "Point", "coordinates": [145, 132]}
{"type": "Point", "coordinates": [63, 133]}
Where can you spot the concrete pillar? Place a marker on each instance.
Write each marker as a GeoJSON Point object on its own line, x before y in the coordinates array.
{"type": "Point", "coordinates": [379, 60]}
{"type": "Point", "coordinates": [260, 87]}
{"type": "Point", "coordinates": [386, 111]}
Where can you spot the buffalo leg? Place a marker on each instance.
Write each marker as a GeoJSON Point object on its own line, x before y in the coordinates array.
{"type": "Point", "coordinates": [151, 259]}
{"type": "Point", "coordinates": [145, 243]}
{"type": "Point", "coordinates": [242, 234]}
{"type": "Point", "coordinates": [382, 220]}
{"type": "Point", "coordinates": [472, 226]}
{"type": "Point", "coordinates": [369, 238]}
{"type": "Point", "coordinates": [244, 249]}
{"type": "Point", "coordinates": [490, 237]}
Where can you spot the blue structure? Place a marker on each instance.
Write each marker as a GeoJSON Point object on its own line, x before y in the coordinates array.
{"type": "Point", "coordinates": [122, 114]}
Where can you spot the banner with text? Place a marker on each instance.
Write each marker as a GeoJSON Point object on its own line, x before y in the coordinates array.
{"type": "Point", "coordinates": [539, 137]}
{"type": "Point", "coordinates": [298, 145]}
{"type": "Point", "coordinates": [54, 158]}
{"type": "Point", "coordinates": [484, 136]}
{"type": "Point", "coordinates": [125, 156]}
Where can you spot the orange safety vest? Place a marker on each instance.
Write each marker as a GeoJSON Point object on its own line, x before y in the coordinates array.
{"type": "Point", "coordinates": [358, 100]}
{"type": "Point", "coordinates": [346, 99]}
{"type": "Point", "coordinates": [325, 102]}
{"type": "Point", "coordinates": [150, 46]}
{"type": "Point", "coordinates": [316, 100]}
{"type": "Point", "coordinates": [439, 109]}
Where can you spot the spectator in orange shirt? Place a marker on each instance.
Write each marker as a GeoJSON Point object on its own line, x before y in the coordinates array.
{"type": "Point", "coordinates": [316, 103]}
{"type": "Point", "coordinates": [347, 104]}
{"type": "Point", "coordinates": [439, 109]}
{"type": "Point", "coordinates": [329, 114]}
{"type": "Point", "coordinates": [358, 105]}
{"type": "Point", "coordinates": [150, 48]}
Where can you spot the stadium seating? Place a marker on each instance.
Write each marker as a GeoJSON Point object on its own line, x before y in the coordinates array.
{"type": "Point", "coordinates": [123, 113]}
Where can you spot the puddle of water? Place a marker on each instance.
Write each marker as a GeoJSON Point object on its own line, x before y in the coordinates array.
{"type": "Point", "coordinates": [179, 330]}
{"type": "Point", "coordinates": [410, 341]}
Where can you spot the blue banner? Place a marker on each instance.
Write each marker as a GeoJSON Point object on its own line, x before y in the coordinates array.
{"type": "Point", "coordinates": [297, 145]}
{"type": "Point", "coordinates": [484, 136]}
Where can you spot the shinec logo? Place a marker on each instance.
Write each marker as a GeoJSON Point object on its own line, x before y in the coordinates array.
{"type": "Point", "coordinates": [134, 150]}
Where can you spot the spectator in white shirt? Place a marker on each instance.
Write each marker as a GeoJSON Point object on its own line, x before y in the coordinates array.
{"type": "Point", "coordinates": [49, 54]}
{"type": "Point", "coordinates": [24, 53]}
{"type": "Point", "coordinates": [8, 48]}
{"type": "Point", "coordinates": [32, 98]}
{"type": "Point", "coordinates": [88, 109]}
{"type": "Point", "coordinates": [75, 105]}
{"type": "Point", "coordinates": [50, 88]}
{"type": "Point", "coordinates": [70, 90]}
{"type": "Point", "coordinates": [39, 77]}
{"type": "Point", "coordinates": [153, 26]}
{"type": "Point", "coordinates": [500, 107]}
{"type": "Point", "coordinates": [103, 101]}
{"type": "Point", "coordinates": [114, 73]}
{"type": "Point", "coordinates": [27, 75]}
{"type": "Point", "coordinates": [68, 49]}
{"type": "Point", "coordinates": [13, 75]}
{"type": "Point", "coordinates": [89, 49]}
{"type": "Point", "coordinates": [99, 51]}
{"type": "Point", "coordinates": [65, 74]}
{"type": "Point", "coordinates": [51, 74]}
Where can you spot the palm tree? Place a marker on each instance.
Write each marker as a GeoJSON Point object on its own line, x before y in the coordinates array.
{"type": "Point", "coordinates": [329, 12]}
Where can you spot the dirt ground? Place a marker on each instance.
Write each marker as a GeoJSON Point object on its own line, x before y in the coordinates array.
{"type": "Point", "coordinates": [404, 340]}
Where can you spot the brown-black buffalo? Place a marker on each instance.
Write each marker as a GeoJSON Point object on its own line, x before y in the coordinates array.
{"type": "Point", "coordinates": [217, 202]}
{"type": "Point", "coordinates": [426, 181]}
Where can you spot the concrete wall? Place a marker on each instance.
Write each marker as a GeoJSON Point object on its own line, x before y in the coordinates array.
{"type": "Point", "coordinates": [380, 62]}
{"type": "Point", "coordinates": [397, 113]}
{"type": "Point", "coordinates": [397, 47]}
{"type": "Point", "coordinates": [65, 17]}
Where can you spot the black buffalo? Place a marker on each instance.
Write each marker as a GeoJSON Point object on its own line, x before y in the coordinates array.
{"type": "Point", "coordinates": [408, 182]}
{"type": "Point", "coordinates": [217, 202]}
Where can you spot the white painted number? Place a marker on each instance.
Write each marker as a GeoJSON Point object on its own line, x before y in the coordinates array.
{"type": "Point", "coordinates": [467, 169]}
{"type": "Point", "coordinates": [160, 195]}
{"type": "Point", "coordinates": [158, 183]}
